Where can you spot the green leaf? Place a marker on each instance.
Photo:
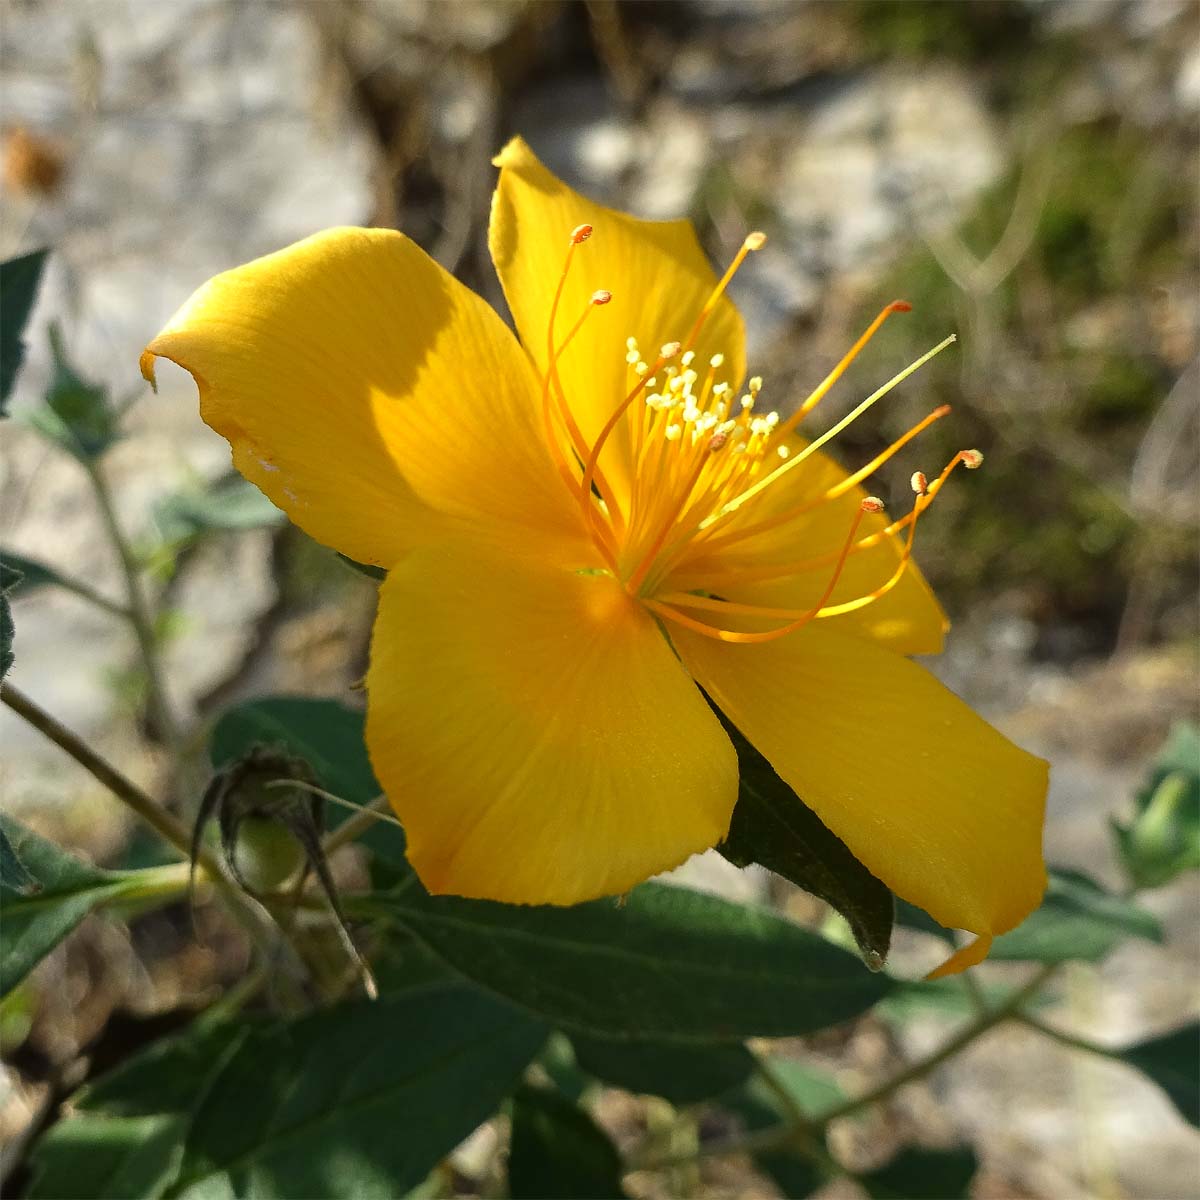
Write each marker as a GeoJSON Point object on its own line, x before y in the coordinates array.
{"type": "Point", "coordinates": [669, 965]}
{"type": "Point", "coordinates": [30, 574]}
{"type": "Point", "coordinates": [10, 577]}
{"type": "Point", "coordinates": [68, 890]}
{"type": "Point", "coordinates": [359, 1101]}
{"type": "Point", "coordinates": [1171, 1060]}
{"type": "Point", "coordinates": [772, 826]}
{"type": "Point", "coordinates": [919, 1174]}
{"type": "Point", "coordinates": [1077, 920]}
{"type": "Point", "coordinates": [13, 874]}
{"type": "Point", "coordinates": [680, 1074]}
{"type": "Point", "coordinates": [99, 1157]}
{"type": "Point", "coordinates": [19, 279]}
{"type": "Point", "coordinates": [329, 737]}
{"type": "Point", "coordinates": [558, 1152]}
{"type": "Point", "coordinates": [77, 414]}
{"type": "Point", "coordinates": [231, 506]}
{"type": "Point", "coordinates": [1163, 839]}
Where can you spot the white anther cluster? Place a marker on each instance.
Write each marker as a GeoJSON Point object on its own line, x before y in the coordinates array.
{"type": "Point", "coordinates": [687, 408]}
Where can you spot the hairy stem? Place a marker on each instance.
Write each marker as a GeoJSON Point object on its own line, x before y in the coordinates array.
{"type": "Point", "coordinates": [164, 823]}
{"type": "Point", "coordinates": [138, 609]}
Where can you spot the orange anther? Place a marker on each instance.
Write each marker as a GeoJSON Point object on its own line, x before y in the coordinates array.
{"type": "Point", "coordinates": [717, 441]}
{"type": "Point", "coordinates": [872, 504]}
{"type": "Point", "coordinates": [971, 459]}
{"type": "Point", "coordinates": [601, 297]}
{"type": "Point", "coordinates": [581, 233]}
{"type": "Point", "coordinates": [920, 484]}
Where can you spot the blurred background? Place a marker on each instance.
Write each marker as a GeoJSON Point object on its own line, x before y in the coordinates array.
{"type": "Point", "coordinates": [1024, 172]}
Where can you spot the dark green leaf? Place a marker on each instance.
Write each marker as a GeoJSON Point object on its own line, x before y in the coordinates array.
{"type": "Point", "coordinates": [19, 279]}
{"type": "Point", "coordinates": [328, 736]}
{"type": "Point", "coordinates": [772, 826]}
{"type": "Point", "coordinates": [681, 1074]}
{"type": "Point", "coordinates": [33, 924]}
{"type": "Point", "coordinates": [670, 965]}
{"type": "Point", "coordinates": [919, 1174]}
{"type": "Point", "coordinates": [1172, 1060]}
{"type": "Point", "coordinates": [230, 506]}
{"type": "Point", "coordinates": [99, 1157]}
{"type": "Point", "coordinates": [31, 574]}
{"type": "Point", "coordinates": [558, 1152]}
{"type": "Point", "coordinates": [361, 1101]}
{"type": "Point", "coordinates": [13, 874]}
{"type": "Point", "coordinates": [1163, 838]}
{"type": "Point", "coordinates": [371, 572]}
{"type": "Point", "coordinates": [1077, 920]}
{"type": "Point", "coordinates": [358, 1101]}
{"type": "Point", "coordinates": [77, 414]}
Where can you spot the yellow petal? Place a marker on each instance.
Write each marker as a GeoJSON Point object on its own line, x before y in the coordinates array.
{"type": "Point", "coordinates": [534, 731]}
{"type": "Point", "coordinates": [935, 802]}
{"type": "Point", "coordinates": [361, 386]}
{"type": "Point", "coordinates": [658, 275]}
{"type": "Point", "coordinates": [907, 619]}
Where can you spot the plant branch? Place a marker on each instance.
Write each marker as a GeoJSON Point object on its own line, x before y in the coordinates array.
{"type": "Point", "coordinates": [792, 1134]}
{"type": "Point", "coordinates": [164, 823]}
{"type": "Point", "coordinates": [1066, 1039]}
{"type": "Point", "coordinates": [139, 610]}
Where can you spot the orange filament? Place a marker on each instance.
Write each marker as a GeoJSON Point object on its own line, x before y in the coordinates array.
{"type": "Point", "coordinates": [923, 501]}
{"type": "Point", "coordinates": [640, 572]}
{"type": "Point", "coordinates": [592, 469]}
{"type": "Point", "coordinates": [564, 412]}
{"type": "Point", "coordinates": [790, 464]}
{"type": "Point", "coordinates": [753, 241]}
{"type": "Point", "coordinates": [579, 234]}
{"type": "Point", "coordinates": [870, 504]}
{"type": "Point", "coordinates": [818, 393]}
{"type": "Point", "coordinates": [724, 540]}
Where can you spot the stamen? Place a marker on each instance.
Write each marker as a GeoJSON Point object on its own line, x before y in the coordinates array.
{"type": "Point", "coordinates": [923, 501]}
{"type": "Point", "coordinates": [870, 504]}
{"type": "Point", "coordinates": [828, 435]}
{"type": "Point", "coordinates": [724, 540]}
{"type": "Point", "coordinates": [591, 470]}
{"type": "Point", "coordinates": [823, 387]}
{"type": "Point", "coordinates": [754, 241]}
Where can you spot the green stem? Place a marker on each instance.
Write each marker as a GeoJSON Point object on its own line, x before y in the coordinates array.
{"type": "Point", "coordinates": [139, 609]}
{"type": "Point", "coordinates": [164, 823]}
{"type": "Point", "coordinates": [86, 592]}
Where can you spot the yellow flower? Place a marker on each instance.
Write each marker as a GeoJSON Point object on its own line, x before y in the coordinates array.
{"type": "Point", "coordinates": [578, 530]}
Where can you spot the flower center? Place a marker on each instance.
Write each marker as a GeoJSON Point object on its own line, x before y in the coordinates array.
{"type": "Point", "coordinates": [702, 460]}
